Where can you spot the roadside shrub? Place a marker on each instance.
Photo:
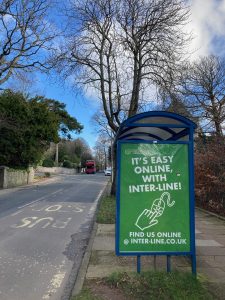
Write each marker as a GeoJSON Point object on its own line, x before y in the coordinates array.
{"type": "Point", "coordinates": [74, 165]}
{"type": "Point", "coordinates": [47, 174]}
{"type": "Point", "coordinates": [65, 157]}
{"type": "Point", "coordinates": [67, 164]}
{"type": "Point", "coordinates": [48, 162]}
{"type": "Point", "coordinates": [210, 176]}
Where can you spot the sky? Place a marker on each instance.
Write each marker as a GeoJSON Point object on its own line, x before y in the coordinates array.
{"type": "Point", "coordinates": [79, 106]}
{"type": "Point", "coordinates": [207, 24]}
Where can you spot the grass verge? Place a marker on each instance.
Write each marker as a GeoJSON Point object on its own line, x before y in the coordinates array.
{"type": "Point", "coordinates": [145, 286]}
{"type": "Point", "coordinates": [86, 294]}
{"type": "Point", "coordinates": [159, 285]}
{"type": "Point", "coordinates": [107, 210]}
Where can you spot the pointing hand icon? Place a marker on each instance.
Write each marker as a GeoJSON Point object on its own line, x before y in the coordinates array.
{"type": "Point", "coordinates": [146, 220]}
{"type": "Point", "coordinates": [148, 217]}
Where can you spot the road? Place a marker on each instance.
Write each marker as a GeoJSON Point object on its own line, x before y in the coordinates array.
{"type": "Point", "coordinates": [44, 230]}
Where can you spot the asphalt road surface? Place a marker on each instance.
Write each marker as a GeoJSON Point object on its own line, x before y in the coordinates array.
{"type": "Point", "coordinates": [44, 230]}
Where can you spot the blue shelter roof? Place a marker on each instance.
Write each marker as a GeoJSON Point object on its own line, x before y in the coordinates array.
{"type": "Point", "coordinates": [156, 126]}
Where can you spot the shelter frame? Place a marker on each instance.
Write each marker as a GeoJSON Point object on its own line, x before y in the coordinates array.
{"type": "Point", "coordinates": [161, 128]}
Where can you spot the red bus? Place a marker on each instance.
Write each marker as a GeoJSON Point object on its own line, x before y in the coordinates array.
{"type": "Point", "coordinates": [90, 167]}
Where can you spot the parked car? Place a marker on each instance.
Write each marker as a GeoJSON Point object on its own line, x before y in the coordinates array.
{"type": "Point", "coordinates": [108, 171]}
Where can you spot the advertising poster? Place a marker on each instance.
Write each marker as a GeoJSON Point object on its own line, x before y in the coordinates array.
{"type": "Point", "coordinates": [153, 212]}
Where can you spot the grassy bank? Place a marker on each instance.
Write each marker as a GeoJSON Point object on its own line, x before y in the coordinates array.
{"type": "Point", "coordinates": [86, 294]}
{"type": "Point", "coordinates": [107, 210]}
{"type": "Point", "coordinates": [159, 285]}
{"type": "Point", "coordinates": [145, 286]}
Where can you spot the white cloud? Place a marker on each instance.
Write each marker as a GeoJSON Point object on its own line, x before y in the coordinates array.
{"type": "Point", "coordinates": [207, 24]}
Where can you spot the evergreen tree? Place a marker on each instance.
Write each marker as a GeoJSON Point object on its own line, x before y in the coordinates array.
{"type": "Point", "coordinates": [26, 129]}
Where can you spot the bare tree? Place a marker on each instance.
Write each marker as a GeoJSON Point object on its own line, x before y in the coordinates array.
{"type": "Point", "coordinates": [172, 100]}
{"type": "Point", "coordinates": [101, 149]}
{"type": "Point", "coordinates": [101, 125]}
{"type": "Point", "coordinates": [26, 36]}
{"type": "Point", "coordinates": [202, 86]}
{"type": "Point", "coordinates": [120, 47]}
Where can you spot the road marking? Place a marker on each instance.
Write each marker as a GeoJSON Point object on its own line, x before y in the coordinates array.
{"type": "Point", "coordinates": [53, 207]}
{"type": "Point", "coordinates": [40, 220]}
{"type": "Point", "coordinates": [60, 190]}
{"type": "Point", "coordinates": [55, 283]}
{"type": "Point", "coordinates": [25, 222]}
{"type": "Point", "coordinates": [61, 224]}
{"type": "Point", "coordinates": [94, 205]}
{"type": "Point", "coordinates": [30, 222]}
{"type": "Point", "coordinates": [16, 213]}
{"type": "Point", "coordinates": [61, 208]}
{"type": "Point", "coordinates": [41, 198]}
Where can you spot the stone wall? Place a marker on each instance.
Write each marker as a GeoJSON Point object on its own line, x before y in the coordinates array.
{"type": "Point", "coordinates": [56, 170]}
{"type": "Point", "coordinates": [12, 178]}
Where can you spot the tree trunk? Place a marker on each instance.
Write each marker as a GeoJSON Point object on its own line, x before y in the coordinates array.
{"type": "Point", "coordinates": [218, 128]}
{"type": "Point", "coordinates": [114, 171]}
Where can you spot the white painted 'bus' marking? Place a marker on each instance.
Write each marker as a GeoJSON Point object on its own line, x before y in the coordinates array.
{"type": "Point", "coordinates": [25, 222]}
{"type": "Point", "coordinates": [31, 222]}
{"type": "Point", "coordinates": [61, 208]}
{"type": "Point", "coordinates": [40, 220]}
{"type": "Point", "coordinates": [61, 224]}
{"type": "Point", "coordinates": [53, 208]}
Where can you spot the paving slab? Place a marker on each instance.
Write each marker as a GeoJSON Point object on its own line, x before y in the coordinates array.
{"type": "Point", "coordinates": [220, 240]}
{"type": "Point", "coordinates": [208, 227]}
{"type": "Point", "coordinates": [213, 232]}
{"type": "Point", "coordinates": [100, 271]}
{"type": "Point", "coordinates": [213, 274]}
{"type": "Point", "coordinates": [104, 243]}
{"type": "Point", "coordinates": [211, 261]}
{"type": "Point", "coordinates": [105, 229]}
{"type": "Point", "coordinates": [207, 243]}
{"type": "Point", "coordinates": [205, 236]}
{"type": "Point", "coordinates": [180, 261]}
{"type": "Point", "coordinates": [205, 251]}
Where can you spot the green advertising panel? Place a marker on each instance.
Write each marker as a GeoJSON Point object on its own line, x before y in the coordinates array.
{"type": "Point", "coordinates": [154, 213]}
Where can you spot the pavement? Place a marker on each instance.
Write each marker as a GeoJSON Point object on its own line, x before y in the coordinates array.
{"type": "Point", "coordinates": [100, 259]}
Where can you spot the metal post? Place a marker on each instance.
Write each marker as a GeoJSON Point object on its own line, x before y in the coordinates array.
{"type": "Point", "coordinates": [154, 262]}
{"type": "Point", "coordinates": [192, 202]}
{"type": "Point", "coordinates": [168, 263]}
{"type": "Point", "coordinates": [193, 264]}
{"type": "Point", "coordinates": [138, 264]}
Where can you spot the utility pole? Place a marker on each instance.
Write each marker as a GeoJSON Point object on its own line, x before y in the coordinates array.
{"type": "Point", "coordinates": [56, 154]}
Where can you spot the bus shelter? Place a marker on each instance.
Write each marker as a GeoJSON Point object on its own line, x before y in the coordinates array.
{"type": "Point", "coordinates": [155, 187]}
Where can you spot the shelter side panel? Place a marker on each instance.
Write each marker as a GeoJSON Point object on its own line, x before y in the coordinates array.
{"type": "Point", "coordinates": [154, 198]}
